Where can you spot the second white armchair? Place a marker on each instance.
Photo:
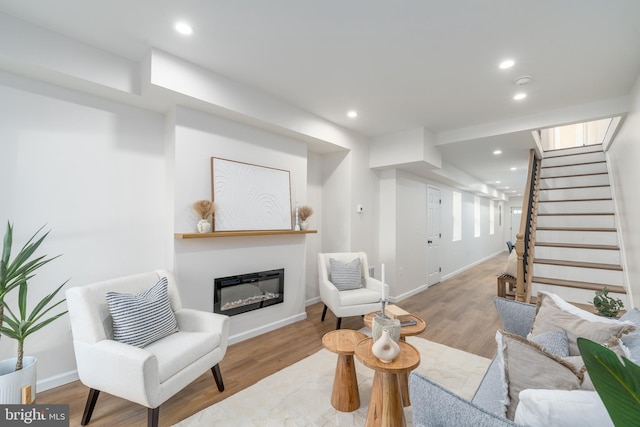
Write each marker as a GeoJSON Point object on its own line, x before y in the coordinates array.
{"type": "Point", "coordinates": [345, 286]}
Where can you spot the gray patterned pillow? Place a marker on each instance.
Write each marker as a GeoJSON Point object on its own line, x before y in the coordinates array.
{"type": "Point", "coordinates": [632, 340]}
{"type": "Point", "coordinates": [345, 276]}
{"type": "Point", "coordinates": [555, 342]}
{"type": "Point", "coordinates": [141, 319]}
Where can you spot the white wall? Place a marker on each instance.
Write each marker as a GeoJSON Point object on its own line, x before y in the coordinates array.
{"type": "Point", "coordinates": [313, 242]}
{"type": "Point", "coordinates": [198, 138]}
{"type": "Point", "coordinates": [624, 156]}
{"type": "Point", "coordinates": [93, 172]}
{"type": "Point", "coordinates": [403, 232]}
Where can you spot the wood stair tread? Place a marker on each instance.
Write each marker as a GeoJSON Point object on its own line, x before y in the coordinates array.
{"type": "Point", "coordinates": [578, 246]}
{"type": "Point", "coordinates": [576, 229]}
{"type": "Point", "coordinates": [575, 213]}
{"type": "Point", "coordinates": [575, 187]}
{"type": "Point", "coordinates": [576, 200]}
{"type": "Point", "coordinates": [579, 285]}
{"type": "Point", "coordinates": [574, 164]}
{"type": "Point", "coordinates": [574, 175]}
{"type": "Point", "coordinates": [580, 264]}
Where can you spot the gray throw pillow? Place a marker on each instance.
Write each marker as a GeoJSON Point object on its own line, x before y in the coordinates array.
{"type": "Point", "coordinates": [345, 276]}
{"type": "Point", "coordinates": [141, 319]}
{"type": "Point", "coordinates": [632, 339]}
{"type": "Point", "coordinates": [554, 342]}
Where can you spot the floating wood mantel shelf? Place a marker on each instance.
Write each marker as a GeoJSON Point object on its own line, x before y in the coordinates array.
{"type": "Point", "coordinates": [240, 233]}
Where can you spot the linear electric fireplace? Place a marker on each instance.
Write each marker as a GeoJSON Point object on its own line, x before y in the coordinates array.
{"type": "Point", "coordinates": [239, 294]}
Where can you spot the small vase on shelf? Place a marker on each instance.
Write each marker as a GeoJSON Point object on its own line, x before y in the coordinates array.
{"type": "Point", "coordinates": [304, 225]}
{"type": "Point", "coordinates": [385, 348]}
{"type": "Point", "coordinates": [204, 226]}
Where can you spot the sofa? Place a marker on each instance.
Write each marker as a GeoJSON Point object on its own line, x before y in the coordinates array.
{"type": "Point", "coordinates": [433, 405]}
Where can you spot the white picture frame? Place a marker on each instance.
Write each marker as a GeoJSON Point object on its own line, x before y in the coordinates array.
{"type": "Point", "coordinates": [250, 197]}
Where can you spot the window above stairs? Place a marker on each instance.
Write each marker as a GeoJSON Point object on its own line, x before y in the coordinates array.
{"type": "Point", "coordinates": [578, 134]}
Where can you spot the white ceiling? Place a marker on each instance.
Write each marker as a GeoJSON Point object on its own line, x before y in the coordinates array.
{"type": "Point", "coordinates": [400, 64]}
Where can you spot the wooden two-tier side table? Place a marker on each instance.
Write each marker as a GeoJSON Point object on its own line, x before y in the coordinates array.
{"type": "Point", "coordinates": [405, 331]}
{"type": "Point", "coordinates": [345, 396]}
{"type": "Point", "coordinates": [385, 405]}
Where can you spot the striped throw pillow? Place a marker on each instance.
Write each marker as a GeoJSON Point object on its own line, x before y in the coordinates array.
{"type": "Point", "coordinates": [345, 276]}
{"type": "Point", "coordinates": [141, 319]}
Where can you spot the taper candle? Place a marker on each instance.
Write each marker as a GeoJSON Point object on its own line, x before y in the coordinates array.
{"type": "Point", "coordinates": [382, 288]}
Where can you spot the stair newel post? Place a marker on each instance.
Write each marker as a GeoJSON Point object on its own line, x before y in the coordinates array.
{"type": "Point", "coordinates": [520, 290]}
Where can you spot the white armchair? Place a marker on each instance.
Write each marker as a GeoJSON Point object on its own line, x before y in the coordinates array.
{"type": "Point", "coordinates": [352, 302]}
{"type": "Point", "coordinates": [150, 375]}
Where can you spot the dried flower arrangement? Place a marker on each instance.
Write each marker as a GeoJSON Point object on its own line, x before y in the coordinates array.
{"type": "Point", "coordinates": [204, 208]}
{"type": "Point", "coordinates": [304, 212]}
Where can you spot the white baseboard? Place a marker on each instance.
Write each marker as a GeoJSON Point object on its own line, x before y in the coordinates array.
{"type": "Point", "coordinates": [266, 328]}
{"type": "Point", "coordinates": [466, 267]}
{"type": "Point", "coordinates": [57, 381]}
{"type": "Point", "coordinates": [408, 294]}
{"type": "Point", "coordinates": [312, 301]}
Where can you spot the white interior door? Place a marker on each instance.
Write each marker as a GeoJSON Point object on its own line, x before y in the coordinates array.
{"type": "Point", "coordinates": [433, 235]}
{"type": "Point", "coordinates": [516, 215]}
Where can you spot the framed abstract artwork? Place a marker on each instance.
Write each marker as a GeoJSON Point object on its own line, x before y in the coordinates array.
{"type": "Point", "coordinates": [250, 197]}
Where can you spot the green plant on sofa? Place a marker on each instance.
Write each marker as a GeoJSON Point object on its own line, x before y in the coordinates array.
{"type": "Point", "coordinates": [606, 305]}
{"type": "Point", "coordinates": [15, 274]}
{"type": "Point", "coordinates": [617, 383]}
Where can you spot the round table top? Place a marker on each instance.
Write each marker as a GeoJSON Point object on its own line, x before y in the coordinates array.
{"type": "Point", "coordinates": [407, 360]}
{"type": "Point", "coordinates": [405, 331]}
{"type": "Point", "coordinates": [342, 341]}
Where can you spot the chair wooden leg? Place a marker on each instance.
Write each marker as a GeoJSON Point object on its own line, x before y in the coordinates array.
{"type": "Point", "coordinates": [339, 322]}
{"type": "Point", "coordinates": [153, 415]}
{"type": "Point", "coordinates": [324, 312]}
{"type": "Point", "coordinates": [88, 408]}
{"type": "Point", "coordinates": [217, 375]}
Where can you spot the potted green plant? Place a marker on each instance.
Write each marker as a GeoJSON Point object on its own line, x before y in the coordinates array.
{"type": "Point", "coordinates": [606, 305]}
{"type": "Point", "coordinates": [19, 323]}
{"type": "Point", "coordinates": [616, 380]}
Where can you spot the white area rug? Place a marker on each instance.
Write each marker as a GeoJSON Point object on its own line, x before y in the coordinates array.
{"type": "Point", "coordinates": [300, 395]}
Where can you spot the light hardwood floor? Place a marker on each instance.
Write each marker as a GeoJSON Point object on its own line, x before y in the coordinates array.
{"type": "Point", "coordinates": [459, 312]}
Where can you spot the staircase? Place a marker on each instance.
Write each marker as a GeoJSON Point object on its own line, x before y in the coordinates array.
{"type": "Point", "coordinates": [576, 244]}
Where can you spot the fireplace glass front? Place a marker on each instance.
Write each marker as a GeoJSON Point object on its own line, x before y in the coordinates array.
{"type": "Point", "coordinates": [246, 292]}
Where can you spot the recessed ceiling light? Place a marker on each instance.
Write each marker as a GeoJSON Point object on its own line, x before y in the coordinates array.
{"type": "Point", "coordinates": [498, 182]}
{"type": "Point", "coordinates": [496, 152]}
{"type": "Point", "coordinates": [520, 95]}
{"type": "Point", "coordinates": [352, 114]}
{"type": "Point", "coordinates": [184, 28]}
{"type": "Point", "coordinates": [514, 169]}
{"type": "Point", "coordinates": [507, 63]}
{"type": "Point", "coordinates": [506, 187]}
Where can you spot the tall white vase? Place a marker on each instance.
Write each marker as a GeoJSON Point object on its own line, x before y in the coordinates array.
{"type": "Point", "coordinates": [11, 381]}
{"type": "Point", "coordinates": [385, 348]}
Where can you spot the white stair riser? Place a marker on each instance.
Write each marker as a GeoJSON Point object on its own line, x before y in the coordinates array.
{"type": "Point", "coordinates": [589, 206]}
{"type": "Point", "coordinates": [581, 296]}
{"type": "Point", "coordinates": [573, 170]}
{"type": "Point", "coordinates": [581, 237]}
{"type": "Point", "coordinates": [574, 150]}
{"type": "Point", "coordinates": [579, 274]}
{"type": "Point", "coordinates": [575, 159]}
{"type": "Point", "coordinates": [604, 256]}
{"type": "Point", "coordinates": [574, 181]}
{"type": "Point", "coordinates": [585, 221]}
{"type": "Point", "coordinates": [576, 194]}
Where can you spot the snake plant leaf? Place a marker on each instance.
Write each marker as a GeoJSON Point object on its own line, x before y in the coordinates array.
{"type": "Point", "coordinates": [616, 381]}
